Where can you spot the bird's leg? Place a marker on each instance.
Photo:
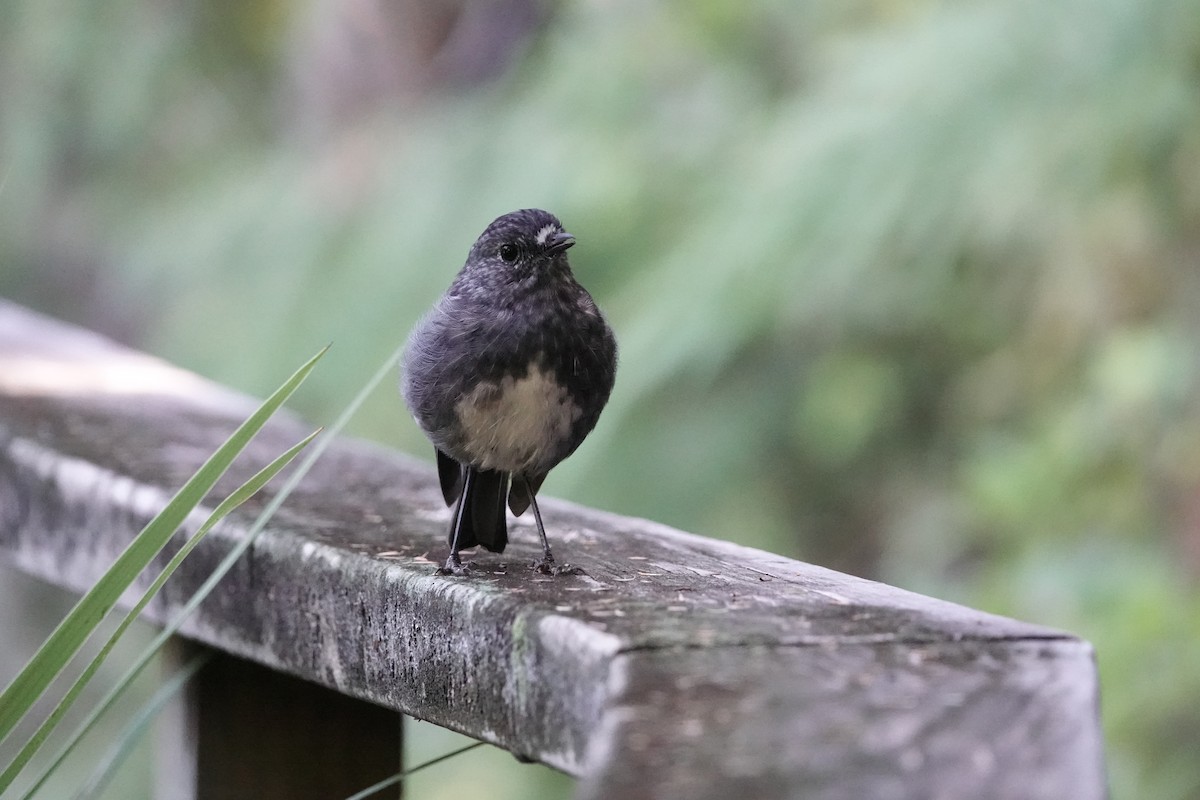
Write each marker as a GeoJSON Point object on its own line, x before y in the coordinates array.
{"type": "Point", "coordinates": [454, 565]}
{"type": "Point", "coordinates": [547, 565]}
{"type": "Point", "coordinates": [547, 562]}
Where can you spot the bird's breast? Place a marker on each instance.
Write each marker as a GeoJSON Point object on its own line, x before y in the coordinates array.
{"type": "Point", "coordinates": [519, 423]}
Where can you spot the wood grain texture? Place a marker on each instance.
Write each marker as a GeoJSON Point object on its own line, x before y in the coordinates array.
{"type": "Point", "coordinates": [678, 666]}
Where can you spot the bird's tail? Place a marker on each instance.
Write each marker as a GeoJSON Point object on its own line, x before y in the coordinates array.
{"type": "Point", "coordinates": [480, 519]}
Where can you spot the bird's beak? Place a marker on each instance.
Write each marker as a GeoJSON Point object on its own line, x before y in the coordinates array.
{"type": "Point", "coordinates": [559, 242]}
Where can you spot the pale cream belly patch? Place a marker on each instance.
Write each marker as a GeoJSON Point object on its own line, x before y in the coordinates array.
{"type": "Point", "coordinates": [516, 424]}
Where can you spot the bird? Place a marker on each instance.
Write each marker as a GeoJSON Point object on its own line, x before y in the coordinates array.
{"type": "Point", "coordinates": [506, 376]}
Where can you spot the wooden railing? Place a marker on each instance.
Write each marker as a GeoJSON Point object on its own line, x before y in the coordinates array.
{"type": "Point", "coordinates": [676, 667]}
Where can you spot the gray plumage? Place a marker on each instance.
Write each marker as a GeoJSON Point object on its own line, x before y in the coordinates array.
{"type": "Point", "coordinates": [507, 375]}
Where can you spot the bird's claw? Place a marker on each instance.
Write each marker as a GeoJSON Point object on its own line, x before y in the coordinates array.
{"type": "Point", "coordinates": [548, 566]}
{"type": "Point", "coordinates": [454, 566]}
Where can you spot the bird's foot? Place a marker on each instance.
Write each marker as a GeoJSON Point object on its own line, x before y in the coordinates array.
{"type": "Point", "coordinates": [548, 566]}
{"type": "Point", "coordinates": [454, 566]}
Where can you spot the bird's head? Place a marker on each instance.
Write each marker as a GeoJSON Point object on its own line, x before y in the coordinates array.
{"type": "Point", "coordinates": [522, 246]}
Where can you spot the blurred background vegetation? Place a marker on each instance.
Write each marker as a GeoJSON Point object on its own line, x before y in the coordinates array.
{"type": "Point", "coordinates": [907, 288]}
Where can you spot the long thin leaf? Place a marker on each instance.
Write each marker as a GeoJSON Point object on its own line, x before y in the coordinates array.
{"type": "Point", "coordinates": [236, 553]}
{"type": "Point", "coordinates": [133, 732]}
{"type": "Point", "coordinates": [400, 776]}
{"type": "Point", "coordinates": [78, 625]}
{"type": "Point", "coordinates": [239, 496]}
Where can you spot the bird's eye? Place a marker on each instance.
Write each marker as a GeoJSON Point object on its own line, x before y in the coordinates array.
{"type": "Point", "coordinates": [509, 253]}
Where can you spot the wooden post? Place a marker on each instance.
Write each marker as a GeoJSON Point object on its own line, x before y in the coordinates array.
{"type": "Point", "coordinates": [245, 732]}
{"type": "Point", "coordinates": [674, 667]}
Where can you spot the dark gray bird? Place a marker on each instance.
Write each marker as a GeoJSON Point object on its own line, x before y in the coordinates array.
{"type": "Point", "coordinates": [506, 376]}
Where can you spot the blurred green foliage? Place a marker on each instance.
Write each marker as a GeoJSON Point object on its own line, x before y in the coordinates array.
{"type": "Point", "coordinates": [903, 287]}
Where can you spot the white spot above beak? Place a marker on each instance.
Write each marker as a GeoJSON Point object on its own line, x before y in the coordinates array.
{"type": "Point", "coordinates": [545, 233]}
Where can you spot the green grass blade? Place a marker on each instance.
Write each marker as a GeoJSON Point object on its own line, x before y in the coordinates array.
{"type": "Point", "coordinates": [400, 776]}
{"type": "Point", "coordinates": [236, 553]}
{"type": "Point", "coordinates": [78, 625]}
{"type": "Point", "coordinates": [239, 496]}
{"type": "Point", "coordinates": [129, 737]}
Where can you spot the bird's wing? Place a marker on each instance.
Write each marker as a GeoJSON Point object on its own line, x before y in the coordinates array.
{"type": "Point", "coordinates": [522, 490]}
{"type": "Point", "coordinates": [450, 474]}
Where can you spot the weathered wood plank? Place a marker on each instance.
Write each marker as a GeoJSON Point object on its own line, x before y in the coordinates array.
{"type": "Point", "coordinates": [965, 719]}
{"type": "Point", "coordinates": [749, 669]}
